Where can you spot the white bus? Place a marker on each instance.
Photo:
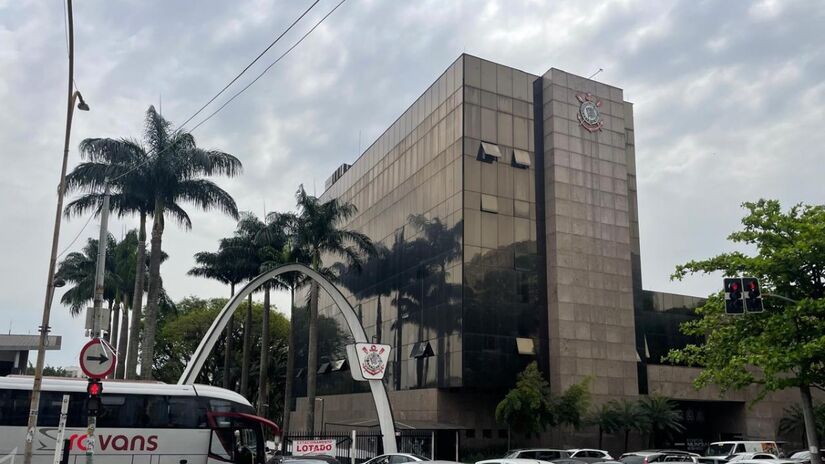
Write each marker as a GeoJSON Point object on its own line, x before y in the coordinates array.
{"type": "Point", "coordinates": [139, 423]}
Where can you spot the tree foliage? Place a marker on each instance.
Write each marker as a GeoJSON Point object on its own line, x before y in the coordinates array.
{"type": "Point", "coordinates": [784, 346]}
{"type": "Point", "coordinates": [182, 331]}
{"type": "Point", "coordinates": [531, 408]}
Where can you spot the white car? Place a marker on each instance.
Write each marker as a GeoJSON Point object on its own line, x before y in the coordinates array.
{"type": "Point", "coordinates": [397, 458]}
{"type": "Point", "coordinates": [751, 457]}
{"type": "Point", "coordinates": [590, 455]}
{"type": "Point", "coordinates": [513, 461]}
{"type": "Point", "coordinates": [540, 454]}
{"type": "Point", "coordinates": [767, 461]}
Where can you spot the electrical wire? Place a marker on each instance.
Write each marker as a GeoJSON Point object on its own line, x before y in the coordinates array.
{"type": "Point", "coordinates": [235, 95]}
{"type": "Point", "coordinates": [180, 128]}
{"type": "Point", "coordinates": [77, 236]}
{"type": "Point", "coordinates": [251, 63]}
{"type": "Point", "coordinates": [270, 66]}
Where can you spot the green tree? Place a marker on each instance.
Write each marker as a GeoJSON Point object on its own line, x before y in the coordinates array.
{"type": "Point", "coordinates": [570, 407]}
{"type": "Point", "coordinates": [181, 332]}
{"type": "Point", "coordinates": [50, 371]}
{"type": "Point", "coordinates": [222, 267]}
{"type": "Point", "coordinates": [176, 170]}
{"type": "Point", "coordinates": [317, 231]}
{"type": "Point", "coordinates": [530, 407]}
{"type": "Point", "coordinates": [629, 418]}
{"type": "Point", "coordinates": [123, 164]}
{"type": "Point", "coordinates": [782, 347]}
{"type": "Point", "coordinates": [527, 407]}
{"type": "Point", "coordinates": [660, 417]}
{"type": "Point", "coordinates": [606, 419]}
{"type": "Point", "coordinates": [793, 423]}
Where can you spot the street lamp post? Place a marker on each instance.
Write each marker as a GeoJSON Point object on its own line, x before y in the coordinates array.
{"type": "Point", "coordinates": [74, 98]}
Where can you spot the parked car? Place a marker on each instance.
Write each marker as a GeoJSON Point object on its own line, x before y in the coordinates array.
{"type": "Point", "coordinates": [513, 461]}
{"type": "Point", "coordinates": [311, 459]}
{"type": "Point", "coordinates": [767, 461]}
{"type": "Point", "coordinates": [723, 451]}
{"type": "Point", "coordinates": [804, 457]}
{"type": "Point", "coordinates": [590, 455]}
{"type": "Point", "coordinates": [396, 458]}
{"type": "Point", "coordinates": [751, 456]}
{"type": "Point", "coordinates": [542, 454]}
{"type": "Point", "coordinates": [651, 456]}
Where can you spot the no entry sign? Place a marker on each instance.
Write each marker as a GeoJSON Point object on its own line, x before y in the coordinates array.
{"type": "Point", "coordinates": [97, 359]}
{"type": "Point", "coordinates": [316, 447]}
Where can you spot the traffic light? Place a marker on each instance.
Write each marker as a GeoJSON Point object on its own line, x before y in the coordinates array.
{"type": "Point", "coordinates": [733, 296]}
{"type": "Point", "coordinates": [94, 389]}
{"type": "Point", "coordinates": [752, 295]}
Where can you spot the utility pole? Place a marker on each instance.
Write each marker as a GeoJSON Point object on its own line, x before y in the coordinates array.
{"type": "Point", "coordinates": [73, 97]}
{"type": "Point", "coordinates": [97, 310]}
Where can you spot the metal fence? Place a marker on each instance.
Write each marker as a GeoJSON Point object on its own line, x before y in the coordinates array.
{"type": "Point", "coordinates": [366, 445]}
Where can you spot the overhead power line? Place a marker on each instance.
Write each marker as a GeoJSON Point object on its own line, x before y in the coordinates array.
{"type": "Point", "coordinates": [270, 66]}
{"type": "Point", "coordinates": [235, 95]}
{"type": "Point", "coordinates": [251, 63]}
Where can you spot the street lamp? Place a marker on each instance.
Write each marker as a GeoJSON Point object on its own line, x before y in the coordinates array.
{"type": "Point", "coordinates": [73, 98]}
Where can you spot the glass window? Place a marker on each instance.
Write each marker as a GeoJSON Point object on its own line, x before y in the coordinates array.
{"type": "Point", "coordinates": [521, 158]}
{"type": "Point", "coordinates": [488, 125]}
{"type": "Point", "coordinates": [526, 346]}
{"type": "Point", "coordinates": [14, 407]}
{"type": "Point", "coordinates": [489, 203]}
{"type": "Point", "coordinates": [489, 151]}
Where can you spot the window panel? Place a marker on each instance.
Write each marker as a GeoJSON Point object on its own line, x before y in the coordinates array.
{"type": "Point", "coordinates": [521, 158]}
{"type": "Point", "coordinates": [489, 203]}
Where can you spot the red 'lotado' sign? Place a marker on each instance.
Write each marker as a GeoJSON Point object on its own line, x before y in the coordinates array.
{"type": "Point", "coordinates": [305, 447]}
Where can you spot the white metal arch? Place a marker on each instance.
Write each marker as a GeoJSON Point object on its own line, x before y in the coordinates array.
{"type": "Point", "coordinates": [379, 392]}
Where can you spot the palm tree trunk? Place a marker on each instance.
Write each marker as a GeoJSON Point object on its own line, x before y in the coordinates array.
{"type": "Point", "coordinates": [123, 342]}
{"type": "Point", "coordinates": [114, 314]}
{"type": "Point", "coordinates": [227, 352]}
{"type": "Point", "coordinates": [152, 300]}
{"type": "Point", "coordinates": [137, 302]}
{"type": "Point", "coordinates": [113, 321]}
{"type": "Point", "coordinates": [290, 364]}
{"type": "Point", "coordinates": [312, 357]}
{"type": "Point", "coordinates": [626, 437]}
{"type": "Point", "coordinates": [247, 347]}
{"type": "Point", "coordinates": [263, 377]}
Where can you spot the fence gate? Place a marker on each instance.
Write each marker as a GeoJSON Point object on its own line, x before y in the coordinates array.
{"type": "Point", "coordinates": [419, 442]}
{"type": "Point", "coordinates": [367, 445]}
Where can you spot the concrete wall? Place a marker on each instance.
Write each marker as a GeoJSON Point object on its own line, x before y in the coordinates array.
{"type": "Point", "coordinates": [589, 278]}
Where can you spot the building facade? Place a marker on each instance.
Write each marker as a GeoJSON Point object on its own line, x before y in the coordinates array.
{"type": "Point", "coordinates": [503, 205]}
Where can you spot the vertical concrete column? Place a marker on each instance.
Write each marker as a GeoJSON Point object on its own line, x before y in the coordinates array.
{"type": "Point", "coordinates": [588, 237]}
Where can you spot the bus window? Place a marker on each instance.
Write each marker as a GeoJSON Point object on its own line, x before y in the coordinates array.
{"type": "Point", "coordinates": [14, 407]}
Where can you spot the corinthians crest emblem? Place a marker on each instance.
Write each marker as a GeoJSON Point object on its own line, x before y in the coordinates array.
{"type": "Point", "coordinates": [589, 116]}
{"type": "Point", "coordinates": [373, 364]}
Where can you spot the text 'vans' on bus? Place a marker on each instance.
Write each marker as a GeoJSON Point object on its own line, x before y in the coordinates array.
{"type": "Point", "coordinates": [139, 423]}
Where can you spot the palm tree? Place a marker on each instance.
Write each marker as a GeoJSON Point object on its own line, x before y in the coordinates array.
{"type": "Point", "coordinates": [793, 422]}
{"type": "Point", "coordinates": [661, 416]}
{"type": "Point", "coordinates": [125, 255]}
{"type": "Point", "coordinates": [606, 418]}
{"type": "Point", "coordinates": [175, 174]}
{"type": "Point", "coordinates": [629, 417]}
{"type": "Point", "coordinates": [258, 245]}
{"type": "Point", "coordinates": [123, 163]}
{"type": "Point", "coordinates": [316, 233]}
{"type": "Point", "coordinates": [79, 268]}
{"type": "Point", "coordinates": [221, 267]}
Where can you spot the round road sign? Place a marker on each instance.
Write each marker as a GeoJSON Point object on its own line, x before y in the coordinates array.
{"type": "Point", "coordinates": [97, 359]}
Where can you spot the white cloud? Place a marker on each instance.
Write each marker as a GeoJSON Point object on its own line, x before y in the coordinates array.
{"type": "Point", "coordinates": [728, 98]}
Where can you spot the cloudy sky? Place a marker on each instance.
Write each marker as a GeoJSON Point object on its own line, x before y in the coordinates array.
{"type": "Point", "coordinates": [729, 104]}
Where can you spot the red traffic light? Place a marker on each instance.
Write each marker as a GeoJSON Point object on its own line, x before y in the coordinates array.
{"type": "Point", "coordinates": [94, 388]}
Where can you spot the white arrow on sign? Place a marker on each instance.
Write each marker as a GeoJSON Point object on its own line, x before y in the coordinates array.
{"type": "Point", "coordinates": [97, 359]}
